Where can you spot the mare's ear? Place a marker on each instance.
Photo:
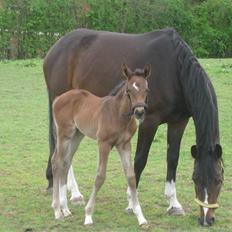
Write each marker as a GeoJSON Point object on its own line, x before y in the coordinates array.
{"type": "Point", "coordinates": [147, 70]}
{"type": "Point", "coordinates": [194, 151]}
{"type": "Point", "coordinates": [126, 71]}
{"type": "Point", "coordinates": [218, 151]}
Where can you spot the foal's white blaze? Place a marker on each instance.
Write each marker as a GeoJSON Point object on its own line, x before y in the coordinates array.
{"type": "Point", "coordinates": [135, 86]}
{"type": "Point", "coordinates": [76, 196]}
{"type": "Point", "coordinates": [205, 209]}
{"type": "Point", "coordinates": [170, 193]}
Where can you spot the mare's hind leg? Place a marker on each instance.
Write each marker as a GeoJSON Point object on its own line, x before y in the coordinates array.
{"type": "Point", "coordinates": [52, 142]}
{"type": "Point", "coordinates": [125, 155]}
{"type": "Point", "coordinates": [104, 149]}
{"type": "Point", "coordinates": [174, 136]}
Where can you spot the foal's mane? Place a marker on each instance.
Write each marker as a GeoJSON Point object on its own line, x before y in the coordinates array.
{"type": "Point", "coordinates": [117, 88]}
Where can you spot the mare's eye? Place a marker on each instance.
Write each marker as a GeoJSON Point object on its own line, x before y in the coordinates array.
{"type": "Point", "coordinates": [147, 90]}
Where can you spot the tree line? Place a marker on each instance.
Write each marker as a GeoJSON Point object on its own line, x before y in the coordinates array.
{"type": "Point", "coordinates": [29, 28]}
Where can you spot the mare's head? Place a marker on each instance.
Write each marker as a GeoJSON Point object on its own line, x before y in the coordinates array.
{"type": "Point", "coordinates": [137, 89]}
{"type": "Point", "coordinates": [208, 178]}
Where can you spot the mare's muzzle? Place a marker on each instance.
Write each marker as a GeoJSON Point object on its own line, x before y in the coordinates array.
{"type": "Point", "coordinates": [139, 110]}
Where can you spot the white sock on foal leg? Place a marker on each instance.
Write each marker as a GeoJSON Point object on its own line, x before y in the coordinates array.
{"type": "Point", "coordinates": [137, 208]}
{"type": "Point", "coordinates": [76, 197]}
{"type": "Point", "coordinates": [129, 208]}
{"type": "Point", "coordinates": [170, 193]}
{"type": "Point", "coordinates": [63, 200]}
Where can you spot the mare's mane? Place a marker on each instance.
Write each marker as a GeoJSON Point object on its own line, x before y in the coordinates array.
{"type": "Point", "coordinates": [201, 101]}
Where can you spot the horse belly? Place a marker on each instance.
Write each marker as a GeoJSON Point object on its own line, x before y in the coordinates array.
{"type": "Point", "coordinates": [87, 125]}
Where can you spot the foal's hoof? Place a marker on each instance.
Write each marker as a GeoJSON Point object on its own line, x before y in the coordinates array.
{"type": "Point", "coordinates": [129, 210]}
{"type": "Point", "coordinates": [59, 215]}
{"type": "Point", "coordinates": [78, 200]}
{"type": "Point", "coordinates": [66, 212]}
{"type": "Point", "coordinates": [144, 226]}
{"type": "Point", "coordinates": [176, 211]}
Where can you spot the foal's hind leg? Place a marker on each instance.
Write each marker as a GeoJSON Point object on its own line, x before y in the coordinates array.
{"type": "Point", "coordinates": [175, 133]}
{"type": "Point", "coordinates": [125, 155]}
{"type": "Point", "coordinates": [76, 197]}
{"type": "Point", "coordinates": [104, 149]}
{"type": "Point", "coordinates": [73, 143]}
{"type": "Point", "coordinates": [66, 147]}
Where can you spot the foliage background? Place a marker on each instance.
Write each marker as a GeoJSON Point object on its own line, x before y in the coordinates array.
{"type": "Point", "coordinates": [29, 28]}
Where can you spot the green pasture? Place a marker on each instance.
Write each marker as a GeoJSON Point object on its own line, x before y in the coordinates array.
{"type": "Point", "coordinates": [26, 206]}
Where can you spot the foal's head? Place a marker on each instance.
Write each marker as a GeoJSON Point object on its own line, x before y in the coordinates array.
{"type": "Point", "coordinates": [137, 89]}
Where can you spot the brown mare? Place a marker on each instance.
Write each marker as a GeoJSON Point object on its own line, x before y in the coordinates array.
{"type": "Point", "coordinates": [179, 89]}
{"type": "Point", "coordinates": [111, 121]}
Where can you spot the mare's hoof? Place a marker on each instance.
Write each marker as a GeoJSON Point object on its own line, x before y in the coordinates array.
{"type": "Point", "coordinates": [129, 210]}
{"type": "Point", "coordinates": [176, 211]}
{"type": "Point", "coordinates": [78, 200]}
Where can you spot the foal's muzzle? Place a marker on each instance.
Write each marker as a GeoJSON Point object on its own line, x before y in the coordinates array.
{"type": "Point", "coordinates": [139, 111]}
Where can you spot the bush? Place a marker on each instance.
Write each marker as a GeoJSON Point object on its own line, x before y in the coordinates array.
{"type": "Point", "coordinates": [29, 28]}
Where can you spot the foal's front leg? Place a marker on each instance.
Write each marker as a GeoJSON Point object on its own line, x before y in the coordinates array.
{"type": "Point", "coordinates": [104, 149]}
{"type": "Point", "coordinates": [125, 155]}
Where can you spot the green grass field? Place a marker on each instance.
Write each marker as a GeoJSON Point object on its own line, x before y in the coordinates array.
{"type": "Point", "coordinates": [24, 203]}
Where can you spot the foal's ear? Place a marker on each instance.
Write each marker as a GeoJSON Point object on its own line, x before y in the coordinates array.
{"type": "Point", "coordinates": [126, 71]}
{"type": "Point", "coordinates": [147, 70]}
{"type": "Point", "coordinates": [218, 151]}
{"type": "Point", "coordinates": [194, 151]}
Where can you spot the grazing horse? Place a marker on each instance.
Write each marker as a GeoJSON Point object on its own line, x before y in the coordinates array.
{"type": "Point", "coordinates": [179, 89]}
{"type": "Point", "coordinates": [111, 121]}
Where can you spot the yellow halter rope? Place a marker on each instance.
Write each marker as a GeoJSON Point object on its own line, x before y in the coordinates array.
{"type": "Point", "coordinates": [209, 206]}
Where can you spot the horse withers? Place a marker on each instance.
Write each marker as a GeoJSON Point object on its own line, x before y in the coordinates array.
{"type": "Point", "coordinates": [110, 120]}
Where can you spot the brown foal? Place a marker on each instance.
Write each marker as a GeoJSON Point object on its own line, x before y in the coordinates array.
{"type": "Point", "coordinates": [111, 121]}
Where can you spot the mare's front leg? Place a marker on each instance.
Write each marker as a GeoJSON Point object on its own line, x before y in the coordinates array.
{"type": "Point", "coordinates": [125, 155]}
{"type": "Point", "coordinates": [104, 149]}
{"type": "Point", "coordinates": [146, 135]}
{"type": "Point", "coordinates": [174, 136]}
